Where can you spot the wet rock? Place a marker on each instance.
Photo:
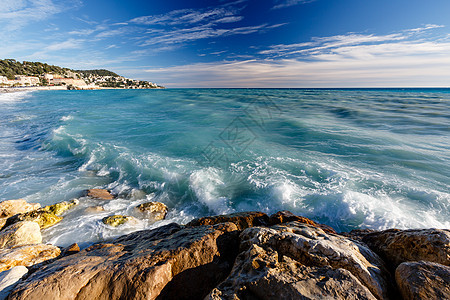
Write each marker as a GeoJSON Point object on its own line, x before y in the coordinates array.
{"type": "Point", "coordinates": [27, 255]}
{"type": "Point", "coordinates": [242, 220]}
{"type": "Point", "coordinates": [21, 233]}
{"type": "Point", "coordinates": [61, 207]}
{"type": "Point", "coordinates": [9, 279]}
{"type": "Point", "coordinates": [155, 211]}
{"type": "Point", "coordinates": [117, 220]}
{"type": "Point", "coordinates": [286, 216]}
{"type": "Point", "coordinates": [397, 246]}
{"type": "Point", "coordinates": [10, 208]}
{"type": "Point", "coordinates": [101, 194]}
{"type": "Point", "coordinates": [94, 209]}
{"type": "Point", "coordinates": [423, 280]}
{"type": "Point", "coordinates": [139, 266]}
{"type": "Point", "coordinates": [42, 217]}
{"type": "Point", "coordinates": [311, 262]}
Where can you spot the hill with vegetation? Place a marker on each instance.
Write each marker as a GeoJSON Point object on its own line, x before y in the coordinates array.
{"type": "Point", "coordinates": [10, 68]}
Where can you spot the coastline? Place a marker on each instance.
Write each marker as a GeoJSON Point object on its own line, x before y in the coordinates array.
{"type": "Point", "coordinates": [61, 88]}
{"type": "Point", "coordinates": [234, 256]}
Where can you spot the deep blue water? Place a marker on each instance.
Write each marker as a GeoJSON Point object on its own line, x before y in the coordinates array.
{"type": "Point", "coordinates": [350, 158]}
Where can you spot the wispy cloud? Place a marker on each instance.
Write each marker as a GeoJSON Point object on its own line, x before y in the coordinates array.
{"type": "Point", "coordinates": [353, 60]}
{"type": "Point", "coordinates": [189, 16]}
{"type": "Point", "coordinates": [16, 14]}
{"type": "Point", "coordinates": [186, 25]}
{"type": "Point", "coordinates": [288, 3]}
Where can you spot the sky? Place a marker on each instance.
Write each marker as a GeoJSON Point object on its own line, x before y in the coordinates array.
{"type": "Point", "coordinates": [240, 43]}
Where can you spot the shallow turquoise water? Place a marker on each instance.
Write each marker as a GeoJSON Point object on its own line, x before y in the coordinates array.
{"type": "Point", "coordinates": [347, 158]}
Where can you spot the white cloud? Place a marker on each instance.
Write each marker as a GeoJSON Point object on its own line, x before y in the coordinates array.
{"type": "Point", "coordinates": [352, 60]}
{"type": "Point", "coordinates": [288, 3]}
{"type": "Point", "coordinates": [15, 14]}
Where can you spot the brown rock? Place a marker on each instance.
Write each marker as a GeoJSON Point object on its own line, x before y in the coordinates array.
{"type": "Point", "coordinates": [155, 211]}
{"type": "Point", "coordinates": [303, 262]}
{"type": "Point", "coordinates": [42, 217]}
{"type": "Point", "coordinates": [263, 274]}
{"type": "Point", "coordinates": [423, 280]}
{"type": "Point", "coordinates": [286, 216]}
{"type": "Point", "coordinates": [242, 220]}
{"type": "Point", "coordinates": [397, 246]}
{"type": "Point", "coordinates": [10, 208]}
{"type": "Point", "coordinates": [101, 194]}
{"type": "Point", "coordinates": [27, 255]}
{"type": "Point", "coordinates": [69, 250]}
{"type": "Point", "coordinates": [21, 233]}
{"type": "Point", "coordinates": [139, 266]}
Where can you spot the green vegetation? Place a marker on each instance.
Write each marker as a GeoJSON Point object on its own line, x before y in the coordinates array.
{"type": "Point", "coordinates": [103, 78]}
{"type": "Point", "coordinates": [11, 67]}
{"type": "Point", "coordinates": [100, 72]}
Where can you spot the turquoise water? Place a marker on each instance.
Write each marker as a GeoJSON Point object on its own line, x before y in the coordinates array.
{"type": "Point", "coordinates": [347, 158]}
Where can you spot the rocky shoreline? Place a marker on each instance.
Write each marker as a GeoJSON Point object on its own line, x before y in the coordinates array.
{"type": "Point", "coordinates": [247, 255]}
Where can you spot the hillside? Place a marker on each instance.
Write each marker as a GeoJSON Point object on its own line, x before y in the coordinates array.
{"type": "Point", "coordinates": [44, 74]}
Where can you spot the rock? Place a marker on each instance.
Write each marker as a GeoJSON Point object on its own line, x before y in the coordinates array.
{"type": "Point", "coordinates": [303, 262]}
{"type": "Point", "coordinates": [242, 220]}
{"type": "Point", "coordinates": [21, 233]}
{"type": "Point", "coordinates": [116, 220]}
{"type": "Point", "coordinates": [397, 246]}
{"type": "Point", "coordinates": [155, 211]}
{"type": "Point", "coordinates": [101, 194]}
{"type": "Point", "coordinates": [140, 266]}
{"type": "Point", "coordinates": [69, 250]}
{"type": "Point", "coordinates": [61, 207]}
{"type": "Point", "coordinates": [27, 255]}
{"type": "Point", "coordinates": [423, 280]}
{"type": "Point", "coordinates": [357, 234]}
{"type": "Point", "coordinates": [42, 217]}
{"type": "Point", "coordinates": [94, 209]}
{"type": "Point", "coordinates": [10, 208]}
{"type": "Point", "coordinates": [286, 216]}
{"type": "Point", "coordinates": [9, 279]}
{"type": "Point", "coordinates": [266, 274]}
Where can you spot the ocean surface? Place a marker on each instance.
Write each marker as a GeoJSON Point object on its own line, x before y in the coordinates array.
{"type": "Point", "coordinates": [368, 158]}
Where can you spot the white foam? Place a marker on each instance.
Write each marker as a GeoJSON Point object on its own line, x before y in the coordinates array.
{"type": "Point", "coordinates": [66, 118]}
{"type": "Point", "coordinates": [206, 184]}
{"type": "Point", "coordinates": [14, 97]}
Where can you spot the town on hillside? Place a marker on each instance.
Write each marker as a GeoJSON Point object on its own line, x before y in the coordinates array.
{"type": "Point", "coordinates": [32, 74]}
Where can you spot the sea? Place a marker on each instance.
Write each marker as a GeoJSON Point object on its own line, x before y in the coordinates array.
{"type": "Point", "coordinates": [348, 158]}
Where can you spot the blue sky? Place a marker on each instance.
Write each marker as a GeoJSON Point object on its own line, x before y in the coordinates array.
{"type": "Point", "coordinates": [241, 43]}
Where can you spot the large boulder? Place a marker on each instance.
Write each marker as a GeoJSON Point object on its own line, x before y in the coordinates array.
{"type": "Point", "coordinates": [171, 261]}
{"type": "Point", "coordinates": [423, 280]}
{"type": "Point", "coordinates": [21, 233]}
{"type": "Point", "coordinates": [9, 279]}
{"type": "Point", "coordinates": [397, 246]}
{"type": "Point", "coordinates": [100, 194]}
{"type": "Point", "coordinates": [302, 262]}
{"type": "Point", "coordinates": [61, 207]}
{"type": "Point", "coordinates": [43, 217]}
{"type": "Point", "coordinates": [27, 255]}
{"type": "Point", "coordinates": [10, 208]}
{"type": "Point", "coordinates": [242, 219]}
{"type": "Point", "coordinates": [154, 211]}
